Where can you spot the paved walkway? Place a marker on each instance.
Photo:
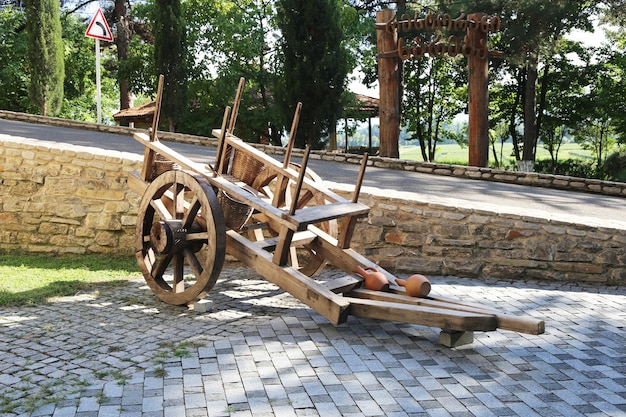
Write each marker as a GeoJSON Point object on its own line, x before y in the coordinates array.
{"type": "Point", "coordinates": [119, 351]}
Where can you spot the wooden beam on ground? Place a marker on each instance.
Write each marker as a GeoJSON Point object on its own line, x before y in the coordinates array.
{"type": "Point", "coordinates": [332, 306]}
{"type": "Point", "coordinates": [504, 321]}
{"type": "Point", "coordinates": [426, 316]}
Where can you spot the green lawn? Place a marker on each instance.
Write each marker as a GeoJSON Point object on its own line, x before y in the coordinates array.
{"type": "Point", "coordinates": [454, 154]}
{"type": "Point", "coordinates": [34, 278]}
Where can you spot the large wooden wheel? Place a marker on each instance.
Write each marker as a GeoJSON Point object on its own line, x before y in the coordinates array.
{"type": "Point", "coordinates": [180, 237]}
{"type": "Point", "coordinates": [305, 259]}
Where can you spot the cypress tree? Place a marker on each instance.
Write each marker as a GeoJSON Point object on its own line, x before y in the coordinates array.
{"type": "Point", "coordinates": [45, 55]}
{"type": "Point", "coordinates": [170, 58]}
{"type": "Point", "coordinates": [314, 66]}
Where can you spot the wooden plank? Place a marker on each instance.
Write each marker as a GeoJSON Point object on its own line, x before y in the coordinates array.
{"type": "Point", "coordinates": [316, 214]}
{"type": "Point", "coordinates": [148, 155]}
{"type": "Point", "coordinates": [422, 315]}
{"type": "Point", "coordinates": [504, 321]}
{"type": "Point", "coordinates": [299, 239]}
{"type": "Point", "coordinates": [172, 155]}
{"type": "Point", "coordinates": [136, 184]}
{"type": "Point", "coordinates": [332, 306]}
{"type": "Point", "coordinates": [343, 284]}
{"type": "Point", "coordinates": [236, 102]}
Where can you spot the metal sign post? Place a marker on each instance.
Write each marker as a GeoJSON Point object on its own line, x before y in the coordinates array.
{"type": "Point", "coordinates": [99, 29]}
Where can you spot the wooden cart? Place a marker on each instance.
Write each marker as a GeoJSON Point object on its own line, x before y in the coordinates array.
{"type": "Point", "coordinates": [280, 220]}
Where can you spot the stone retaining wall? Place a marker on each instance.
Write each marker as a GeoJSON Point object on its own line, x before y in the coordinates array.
{"type": "Point", "coordinates": [59, 198]}
{"type": "Point", "coordinates": [410, 233]}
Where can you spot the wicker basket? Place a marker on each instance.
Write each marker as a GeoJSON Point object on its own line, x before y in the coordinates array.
{"type": "Point", "coordinates": [245, 167]}
{"type": "Point", "coordinates": [236, 213]}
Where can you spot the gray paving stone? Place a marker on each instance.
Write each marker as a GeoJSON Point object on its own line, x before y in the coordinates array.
{"type": "Point", "coordinates": [277, 357]}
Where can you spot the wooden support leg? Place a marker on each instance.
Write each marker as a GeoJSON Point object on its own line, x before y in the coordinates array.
{"type": "Point", "coordinates": [346, 232]}
{"type": "Point", "coordinates": [283, 248]}
{"type": "Point", "coordinates": [454, 338]}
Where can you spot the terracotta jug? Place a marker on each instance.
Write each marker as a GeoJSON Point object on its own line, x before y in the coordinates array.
{"type": "Point", "coordinates": [416, 285]}
{"type": "Point", "coordinates": [374, 280]}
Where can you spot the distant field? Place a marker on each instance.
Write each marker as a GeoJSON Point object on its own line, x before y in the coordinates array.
{"type": "Point", "coordinates": [453, 153]}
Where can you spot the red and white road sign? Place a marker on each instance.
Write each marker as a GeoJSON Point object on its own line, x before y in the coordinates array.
{"type": "Point", "coordinates": [99, 28]}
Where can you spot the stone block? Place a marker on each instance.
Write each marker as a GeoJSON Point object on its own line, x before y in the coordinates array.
{"type": "Point", "coordinates": [202, 306]}
{"type": "Point", "coordinates": [452, 338]}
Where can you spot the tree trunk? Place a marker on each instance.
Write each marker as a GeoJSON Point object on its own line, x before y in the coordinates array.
{"type": "Point", "coordinates": [545, 82]}
{"type": "Point", "coordinates": [123, 41]}
{"type": "Point", "coordinates": [512, 119]}
{"type": "Point", "coordinates": [530, 109]}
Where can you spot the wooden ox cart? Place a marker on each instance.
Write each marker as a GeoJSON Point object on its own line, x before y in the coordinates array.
{"type": "Point", "coordinates": [280, 220]}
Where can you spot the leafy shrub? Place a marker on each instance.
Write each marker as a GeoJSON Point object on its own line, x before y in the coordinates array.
{"type": "Point", "coordinates": [615, 166]}
{"type": "Point", "coordinates": [569, 167]}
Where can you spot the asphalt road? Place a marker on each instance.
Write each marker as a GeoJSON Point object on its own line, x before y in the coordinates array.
{"type": "Point", "coordinates": [560, 205]}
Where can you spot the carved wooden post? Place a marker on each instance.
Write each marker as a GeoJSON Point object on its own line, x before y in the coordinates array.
{"type": "Point", "coordinates": [389, 83]}
{"type": "Point", "coordinates": [478, 94]}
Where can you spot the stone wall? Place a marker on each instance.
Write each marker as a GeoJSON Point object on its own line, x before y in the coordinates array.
{"type": "Point", "coordinates": [60, 198]}
{"type": "Point", "coordinates": [410, 233]}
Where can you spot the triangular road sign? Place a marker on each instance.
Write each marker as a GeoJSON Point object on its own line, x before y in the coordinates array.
{"type": "Point", "coordinates": [99, 28]}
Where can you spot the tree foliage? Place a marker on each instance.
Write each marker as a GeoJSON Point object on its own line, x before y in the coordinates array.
{"type": "Point", "coordinates": [170, 57]}
{"type": "Point", "coordinates": [45, 55]}
{"type": "Point", "coordinates": [314, 66]}
{"type": "Point", "coordinates": [435, 93]}
{"type": "Point", "coordinates": [14, 68]}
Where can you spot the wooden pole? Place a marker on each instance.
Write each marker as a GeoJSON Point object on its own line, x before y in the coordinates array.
{"type": "Point", "coordinates": [478, 105]}
{"type": "Point", "coordinates": [389, 83]}
{"type": "Point", "coordinates": [292, 135]}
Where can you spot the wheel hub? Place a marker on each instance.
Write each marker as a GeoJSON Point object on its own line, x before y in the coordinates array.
{"type": "Point", "coordinates": [167, 237]}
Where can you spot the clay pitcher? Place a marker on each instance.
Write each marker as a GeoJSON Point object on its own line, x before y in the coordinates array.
{"type": "Point", "coordinates": [374, 280]}
{"type": "Point", "coordinates": [416, 285]}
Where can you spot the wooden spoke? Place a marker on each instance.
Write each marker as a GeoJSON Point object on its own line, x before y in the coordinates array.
{"type": "Point", "coordinates": [191, 214]}
{"type": "Point", "coordinates": [180, 237]}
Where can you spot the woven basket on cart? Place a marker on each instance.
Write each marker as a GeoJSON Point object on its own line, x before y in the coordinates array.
{"type": "Point", "coordinates": [245, 167]}
{"type": "Point", "coordinates": [236, 213]}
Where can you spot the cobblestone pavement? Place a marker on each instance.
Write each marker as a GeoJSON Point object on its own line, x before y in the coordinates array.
{"type": "Point", "coordinates": [119, 351]}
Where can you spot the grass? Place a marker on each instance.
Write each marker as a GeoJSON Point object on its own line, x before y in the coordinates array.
{"type": "Point", "coordinates": [454, 154]}
{"type": "Point", "coordinates": [28, 279]}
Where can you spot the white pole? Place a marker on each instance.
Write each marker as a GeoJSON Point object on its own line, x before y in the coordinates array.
{"type": "Point", "coordinates": [98, 100]}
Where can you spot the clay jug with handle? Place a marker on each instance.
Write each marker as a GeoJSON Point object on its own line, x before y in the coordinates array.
{"type": "Point", "coordinates": [416, 285]}
{"type": "Point", "coordinates": [374, 280]}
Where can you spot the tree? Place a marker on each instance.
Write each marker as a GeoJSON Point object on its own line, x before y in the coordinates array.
{"type": "Point", "coordinates": [45, 55]}
{"type": "Point", "coordinates": [13, 71]}
{"type": "Point", "coordinates": [528, 40]}
{"type": "Point", "coordinates": [314, 66]}
{"type": "Point", "coordinates": [615, 66]}
{"type": "Point", "coordinates": [563, 86]}
{"type": "Point", "coordinates": [434, 95]}
{"type": "Point", "coordinates": [170, 56]}
{"type": "Point", "coordinates": [123, 25]}
{"type": "Point", "coordinates": [233, 39]}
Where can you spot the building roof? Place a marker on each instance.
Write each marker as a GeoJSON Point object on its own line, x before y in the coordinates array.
{"type": "Point", "coordinates": [366, 105]}
{"type": "Point", "coordinates": [140, 112]}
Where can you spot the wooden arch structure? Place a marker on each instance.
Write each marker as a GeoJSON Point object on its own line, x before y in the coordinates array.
{"type": "Point", "coordinates": [393, 49]}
